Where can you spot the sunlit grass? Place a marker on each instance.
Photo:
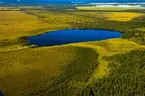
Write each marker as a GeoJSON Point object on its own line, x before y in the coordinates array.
{"type": "Point", "coordinates": [140, 29]}
{"type": "Point", "coordinates": [122, 16]}
{"type": "Point", "coordinates": [114, 16]}
{"type": "Point", "coordinates": [15, 24]}
{"type": "Point", "coordinates": [64, 63]}
{"type": "Point", "coordinates": [40, 68]}
{"type": "Point", "coordinates": [109, 48]}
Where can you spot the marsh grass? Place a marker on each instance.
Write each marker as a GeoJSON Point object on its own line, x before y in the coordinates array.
{"type": "Point", "coordinates": [16, 24]}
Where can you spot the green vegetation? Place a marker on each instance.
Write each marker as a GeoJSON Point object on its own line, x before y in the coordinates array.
{"type": "Point", "coordinates": [13, 44]}
{"type": "Point", "coordinates": [43, 19]}
{"type": "Point", "coordinates": [126, 77]}
{"type": "Point", "coordinates": [46, 71]}
{"type": "Point", "coordinates": [16, 24]}
{"type": "Point", "coordinates": [113, 67]}
{"type": "Point", "coordinates": [132, 20]}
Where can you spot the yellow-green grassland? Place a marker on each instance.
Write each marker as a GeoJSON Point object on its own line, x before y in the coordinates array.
{"type": "Point", "coordinates": [113, 67]}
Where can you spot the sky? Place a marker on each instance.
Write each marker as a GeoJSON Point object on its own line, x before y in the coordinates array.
{"type": "Point", "coordinates": [94, 1]}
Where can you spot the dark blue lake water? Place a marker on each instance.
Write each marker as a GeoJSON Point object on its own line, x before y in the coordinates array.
{"type": "Point", "coordinates": [72, 36]}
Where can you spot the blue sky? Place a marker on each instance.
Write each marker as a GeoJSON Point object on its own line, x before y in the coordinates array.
{"type": "Point", "coordinates": [94, 0]}
{"type": "Point", "coordinates": [9, 1]}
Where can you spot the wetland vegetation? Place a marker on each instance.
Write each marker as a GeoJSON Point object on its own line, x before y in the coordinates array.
{"type": "Point", "coordinates": [113, 67]}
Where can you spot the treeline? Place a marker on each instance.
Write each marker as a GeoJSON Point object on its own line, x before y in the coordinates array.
{"type": "Point", "coordinates": [126, 77]}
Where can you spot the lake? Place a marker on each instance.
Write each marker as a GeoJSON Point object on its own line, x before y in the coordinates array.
{"type": "Point", "coordinates": [72, 36]}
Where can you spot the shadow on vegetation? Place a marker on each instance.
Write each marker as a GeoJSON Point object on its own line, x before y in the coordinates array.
{"type": "Point", "coordinates": [1, 94]}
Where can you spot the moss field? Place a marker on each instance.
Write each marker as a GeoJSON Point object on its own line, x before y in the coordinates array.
{"type": "Point", "coordinates": [113, 67]}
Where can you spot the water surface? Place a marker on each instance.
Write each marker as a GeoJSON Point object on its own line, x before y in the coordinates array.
{"type": "Point", "coordinates": [71, 36]}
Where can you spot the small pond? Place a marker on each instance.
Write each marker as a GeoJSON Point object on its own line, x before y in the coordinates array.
{"type": "Point", "coordinates": [72, 36]}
